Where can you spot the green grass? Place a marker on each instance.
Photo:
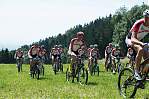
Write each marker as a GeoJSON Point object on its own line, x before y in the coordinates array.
{"type": "Point", "coordinates": [15, 85]}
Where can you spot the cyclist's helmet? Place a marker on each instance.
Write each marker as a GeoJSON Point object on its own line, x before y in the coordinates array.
{"type": "Point", "coordinates": [35, 44]}
{"type": "Point", "coordinates": [146, 13]}
{"type": "Point", "coordinates": [95, 45]}
{"type": "Point", "coordinates": [19, 49]}
{"type": "Point", "coordinates": [42, 46]}
{"type": "Point", "coordinates": [60, 45]}
{"type": "Point", "coordinates": [80, 34]}
{"type": "Point", "coordinates": [91, 46]}
{"type": "Point", "coordinates": [110, 44]}
{"type": "Point", "coordinates": [56, 46]}
{"type": "Point", "coordinates": [117, 46]}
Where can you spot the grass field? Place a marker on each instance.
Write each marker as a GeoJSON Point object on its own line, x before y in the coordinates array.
{"type": "Point", "coordinates": [21, 86]}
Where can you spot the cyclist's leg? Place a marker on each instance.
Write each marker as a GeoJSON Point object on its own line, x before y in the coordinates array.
{"type": "Point", "coordinates": [146, 55]}
{"type": "Point", "coordinates": [139, 55]}
{"type": "Point", "coordinates": [114, 65]}
{"type": "Point", "coordinates": [31, 65]}
{"type": "Point", "coordinates": [73, 61]}
{"type": "Point", "coordinates": [106, 60]}
{"type": "Point", "coordinates": [138, 59]}
{"type": "Point", "coordinates": [52, 60]}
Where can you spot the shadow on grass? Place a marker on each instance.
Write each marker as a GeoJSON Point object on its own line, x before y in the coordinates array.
{"type": "Point", "coordinates": [92, 83]}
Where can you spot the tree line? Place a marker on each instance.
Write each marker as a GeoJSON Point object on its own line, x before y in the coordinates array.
{"type": "Point", "coordinates": [112, 28]}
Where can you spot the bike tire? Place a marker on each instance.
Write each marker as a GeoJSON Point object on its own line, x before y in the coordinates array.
{"type": "Point", "coordinates": [127, 83]}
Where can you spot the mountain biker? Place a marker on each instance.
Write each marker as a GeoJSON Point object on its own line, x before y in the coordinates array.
{"type": "Point", "coordinates": [42, 53]}
{"type": "Point", "coordinates": [54, 53]}
{"type": "Point", "coordinates": [75, 45]}
{"type": "Point", "coordinates": [33, 53]}
{"type": "Point", "coordinates": [19, 56]}
{"type": "Point", "coordinates": [89, 49]}
{"type": "Point", "coordinates": [108, 51]}
{"type": "Point", "coordinates": [138, 31]}
{"type": "Point", "coordinates": [115, 53]}
{"type": "Point", "coordinates": [94, 53]}
{"type": "Point", "coordinates": [61, 50]}
{"type": "Point", "coordinates": [88, 53]}
{"type": "Point", "coordinates": [131, 55]}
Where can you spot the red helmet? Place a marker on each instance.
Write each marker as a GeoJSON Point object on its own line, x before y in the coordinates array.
{"type": "Point", "coordinates": [80, 34]}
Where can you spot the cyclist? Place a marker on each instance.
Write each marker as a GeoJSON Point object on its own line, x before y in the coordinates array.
{"type": "Point", "coordinates": [19, 56]}
{"type": "Point", "coordinates": [115, 53]}
{"type": "Point", "coordinates": [61, 50]}
{"type": "Point", "coordinates": [94, 53]}
{"type": "Point", "coordinates": [75, 45]}
{"type": "Point", "coordinates": [54, 53]}
{"type": "Point", "coordinates": [42, 54]}
{"type": "Point", "coordinates": [89, 49]}
{"type": "Point", "coordinates": [33, 53]}
{"type": "Point", "coordinates": [131, 55]}
{"type": "Point", "coordinates": [108, 51]}
{"type": "Point", "coordinates": [88, 53]}
{"type": "Point", "coordinates": [138, 31]}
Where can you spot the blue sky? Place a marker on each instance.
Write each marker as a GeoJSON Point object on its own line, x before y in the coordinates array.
{"type": "Point", "coordinates": [26, 21]}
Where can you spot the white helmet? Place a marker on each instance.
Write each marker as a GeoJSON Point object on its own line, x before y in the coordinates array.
{"type": "Point", "coordinates": [146, 13]}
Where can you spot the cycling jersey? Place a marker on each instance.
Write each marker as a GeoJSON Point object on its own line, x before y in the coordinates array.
{"type": "Point", "coordinates": [108, 49]}
{"type": "Point", "coordinates": [75, 45]}
{"type": "Point", "coordinates": [94, 52]}
{"type": "Point", "coordinates": [19, 54]}
{"type": "Point", "coordinates": [55, 51]}
{"type": "Point", "coordinates": [33, 52]}
{"type": "Point", "coordinates": [140, 29]}
{"type": "Point", "coordinates": [42, 52]}
{"type": "Point", "coordinates": [115, 52]}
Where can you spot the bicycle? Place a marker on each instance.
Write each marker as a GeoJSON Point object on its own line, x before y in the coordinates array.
{"type": "Point", "coordinates": [128, 84]}
{"type": "Point", "coordinates": [57, 66]}
{"type": "Point", "coordinates": [19, 64]}
{"type": "Point", "coordinates": [94, 67]}
{"type": "Point", "coordinates": [78, 71]}
{"type": "Point", "coordinates": [36, 68]}
{"type": "Point", "coordinates": [119, 64]}
{"type": "Point", "coordinates": [109, 65]}
{"type": "Point", "coordinates": [60, 65]}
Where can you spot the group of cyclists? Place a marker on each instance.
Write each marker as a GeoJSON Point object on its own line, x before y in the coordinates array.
{"type": "Point", "coordinates": [136, 50]}
{"type": "Point", "coordinates": [78, 46]}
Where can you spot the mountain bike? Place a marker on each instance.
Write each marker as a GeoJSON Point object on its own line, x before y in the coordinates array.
{"type": "Point", "coordinates": [78, 71]}
{"type": "Point", "coordinates": [109, 65]}
{"type": "Point", "coordinates": [128, 84]}
{"type": "Point", "coordinates": [36, 68]}
{"type": "Point", "coordinates": [57, 66]}
{"type": "Point", "coordinates": [119, 64]}
{"type": "Point", "coordinates": [94, 67]}
{"type": "Point", "coordinates": [19, 64]}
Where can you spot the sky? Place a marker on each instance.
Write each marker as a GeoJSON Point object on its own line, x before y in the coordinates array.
{"type": "Point", "coordinates": [27, 21]}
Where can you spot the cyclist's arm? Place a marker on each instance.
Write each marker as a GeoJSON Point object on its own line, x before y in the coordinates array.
{"type": "Point", "coordinates": [29, 55]}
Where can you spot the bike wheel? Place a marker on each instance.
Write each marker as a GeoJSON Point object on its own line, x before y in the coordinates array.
{"type": "Point", "coordinates": [83, 76]}
{"type": "Point", "coordinates": [55, 68]}
{"type": "Point", "coordinates": [126, 83]}
{"type": "Point", "coordinates": [61, 65]}
{"type": "Point", "coordinates": [98, 70]}
{"type": "Point", "coordinates": [67, 75]}
{"type": "Point", "coordinates": [42, 70]}
{"type": "Point", "coordinates": [18, 65]}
